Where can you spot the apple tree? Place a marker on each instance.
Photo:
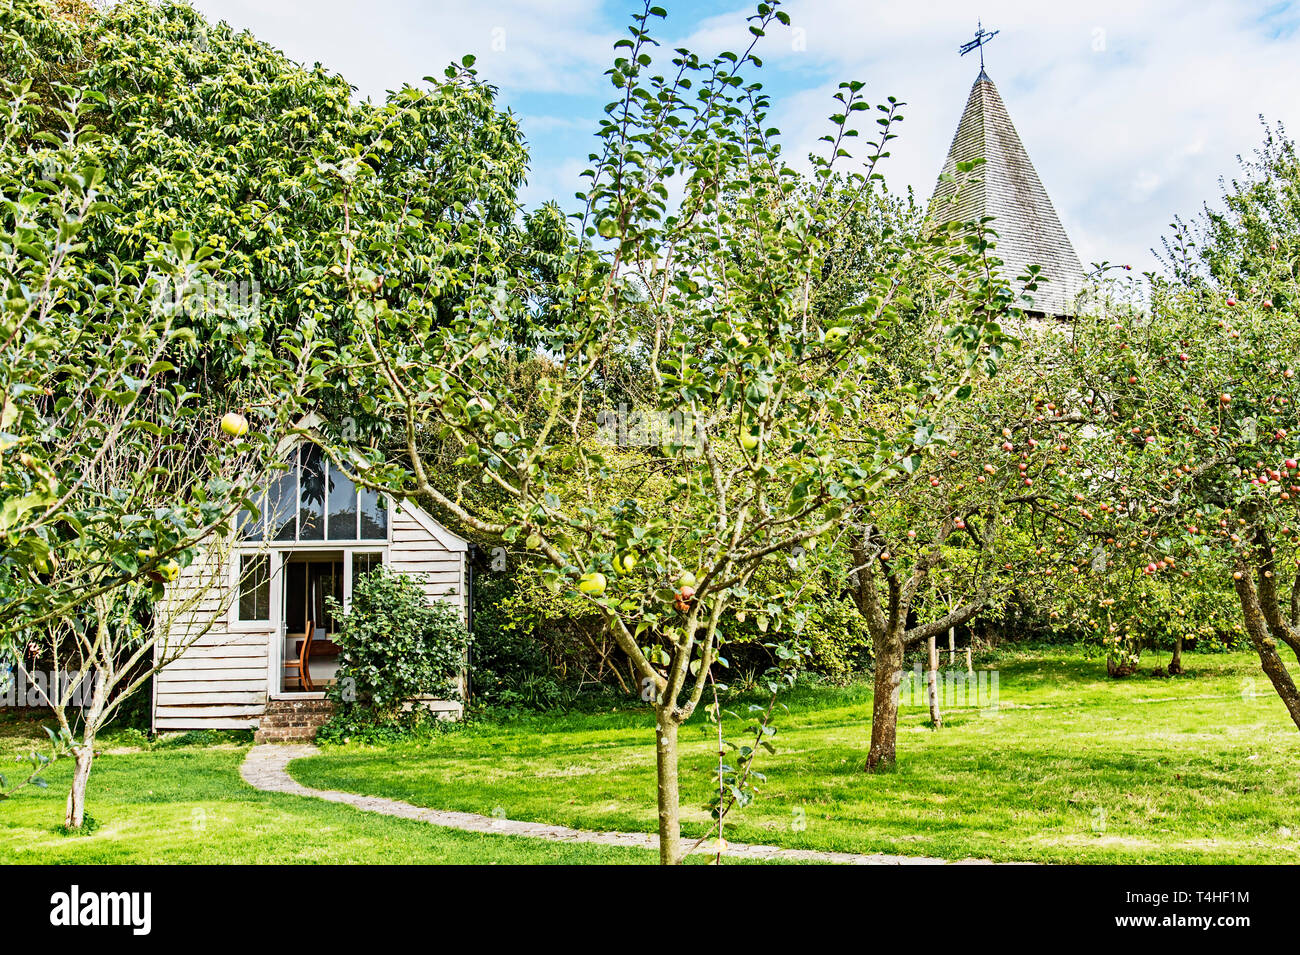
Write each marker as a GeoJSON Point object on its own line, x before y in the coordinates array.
{"type": "Point", "coordinates": [694, 258]}
{"type": "Point", "coordinates": [112, 473]}
{"type": "Point", "coordinates": [1195, 452]}
{"type": "Point", "coordinates": [947, 535]}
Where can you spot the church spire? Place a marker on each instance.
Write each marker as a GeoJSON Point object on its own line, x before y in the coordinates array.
{"type": "Point", "coordinates": [1006, 186]}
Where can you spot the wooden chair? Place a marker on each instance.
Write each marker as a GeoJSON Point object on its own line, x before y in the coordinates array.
{"type": "Point", "coordinates": [304, 653]}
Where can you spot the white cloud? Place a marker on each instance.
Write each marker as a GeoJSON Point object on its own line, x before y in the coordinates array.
{"type": "Point", "coordinates": [552, 46]}
{"type": "Point", "coordinates": [1131, 112]}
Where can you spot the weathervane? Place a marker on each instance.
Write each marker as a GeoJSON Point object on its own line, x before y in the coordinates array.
{"type": "Point", "coordinates": [982, 36]}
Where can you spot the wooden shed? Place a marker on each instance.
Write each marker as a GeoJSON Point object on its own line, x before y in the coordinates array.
{"type": "Point", "coordinates": [248, 604]}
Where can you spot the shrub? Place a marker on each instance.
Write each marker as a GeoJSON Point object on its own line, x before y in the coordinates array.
{"type": "Point", "coordinates": [395, 647]}
{"type": "Point", "coordinates": [513, 647]}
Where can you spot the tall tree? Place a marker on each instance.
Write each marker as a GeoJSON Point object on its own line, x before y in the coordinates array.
{"type": "Point", "coordinates": [750, 390]}
{"type": "Point", "coordinates": [1194, 452]}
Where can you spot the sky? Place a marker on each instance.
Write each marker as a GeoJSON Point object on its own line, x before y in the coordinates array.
{"type": "Point", "coordinates": [1132, 112]}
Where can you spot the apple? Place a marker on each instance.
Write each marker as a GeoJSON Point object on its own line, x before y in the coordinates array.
{"type": "Point", "coordinates": [1232, 301]}
{"type": "Point", "coordinates": [686, 579]}
{"type": "Point", "coordinates": [1267, 303]}
{"type": "Point", "coordinates": [838, 333]}
{"type": "Point", "coordinates": [1225, 399]}
{"type": "Point", "coordinates": [170, 570]}
{"type": "Point", "coordinates": [593, 584]}
{"type": "Point", "coordinates": [234, 424]}
{"type": "Point", "coordinates": [749, 441]}
{"type": "Point", "coordinates": [625, 563]}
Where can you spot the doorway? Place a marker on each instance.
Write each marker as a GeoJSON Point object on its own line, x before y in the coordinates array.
{"type": "Point", "coordinates": [308, 580]}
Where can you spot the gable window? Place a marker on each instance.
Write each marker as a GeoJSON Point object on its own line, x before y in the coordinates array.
{"type": "Point", "coordinates": [254, 587]}
{"type": "Point", "coordinates": [314, 500]}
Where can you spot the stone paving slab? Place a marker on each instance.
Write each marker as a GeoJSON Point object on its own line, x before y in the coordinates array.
{"type": "Point", "coordinates": [266, 768]}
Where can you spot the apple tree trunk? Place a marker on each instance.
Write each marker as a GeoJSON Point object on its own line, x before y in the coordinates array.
{"type": "Point", "coordinates": [670, 834]}
{"type": "Point", "coordinates": [84, 755]}
{"type": "Point", "coordinates": [884, 703]}
{"type": "Point", "coordinates": [1266, 647]}
{"type": "Point", "coordinates": [1176, 661]}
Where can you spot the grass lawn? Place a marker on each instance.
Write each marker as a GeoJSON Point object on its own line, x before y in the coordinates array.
{"type": "Point", "coordinates": [188, 804]}
{"type": "Point", "coordinates": [1070, 767]}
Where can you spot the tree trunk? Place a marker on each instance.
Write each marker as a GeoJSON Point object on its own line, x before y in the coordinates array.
{"type": "Point", "coordinates": [1176, 661]}
{"type": "Point", "coordinates": [1266, 646]}
{"type": "Point", "coordinates": [76, 809]}
{"type": "Point", "coordinates": [932, 682]}
{"type": "Point", "coordinates": [670, 835]}
{"type": "Point", "coordinates": [884, 703]}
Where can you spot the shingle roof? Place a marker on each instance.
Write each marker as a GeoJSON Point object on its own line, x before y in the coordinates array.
{"type": "Point", "coordinates": [1007, 187]}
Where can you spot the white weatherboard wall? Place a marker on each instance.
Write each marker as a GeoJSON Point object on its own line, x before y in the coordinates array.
{"type": "Point", "coordinates": [220, 679]}
{"type": "Point", "coordinates": [225, 676]}
{"type": "Point", "coordinates": [423, 548]}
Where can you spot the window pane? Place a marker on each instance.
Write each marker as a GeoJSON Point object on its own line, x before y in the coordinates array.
{"type": "Point", "coordinates": [281, 504]}
{"type": "Point", "coordinates": [311, 497]}
{"type": "Point", "coordinates": [250, 527]}
{"type": "Point", "coordinates": [254, 587]}
{"type": "Point", "coordinates": [276, 505]}
{"type": "Point", "coordinates": [342, 505]}
{"type": "Point", "coordinates": [363, 564]}
{"type": "Point", "coordinates": [374, 516]}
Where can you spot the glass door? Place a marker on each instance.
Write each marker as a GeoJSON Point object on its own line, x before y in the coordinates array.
{"type": "Point", "coordinates": [308, 580]}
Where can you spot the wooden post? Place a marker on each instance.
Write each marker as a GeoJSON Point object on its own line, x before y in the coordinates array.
{"type": "Point", "coordinates": [932, 683]}
{"type": "Point", "coordinates": [952, 645]}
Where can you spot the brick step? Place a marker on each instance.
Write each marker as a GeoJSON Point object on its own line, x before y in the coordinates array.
{"type": "Point", "coordinates": [292, 720]}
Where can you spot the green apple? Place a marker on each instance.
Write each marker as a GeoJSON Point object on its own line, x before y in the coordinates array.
{"type": "Point", "coordinates": [749, 441]}
{"type": "Point", "coordinates": [625, 563]}
{"type": "Point", "coordinates": [687, 579]}
{"type": "Point", "coordinates": [836, 334]}
{"type": "Point", "coordinates": [234, 424]}
{"type": "Point", "coordinates": [169, 570]}
{"type": "Point", "coordinates": [593, 585]}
